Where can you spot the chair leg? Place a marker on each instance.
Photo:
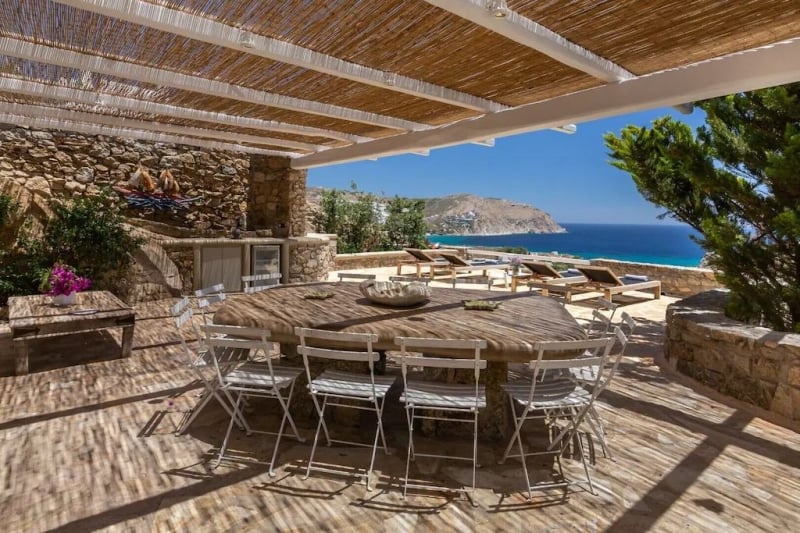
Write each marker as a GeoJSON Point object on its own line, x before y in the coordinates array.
{"type": "Point", "coordinates": [378, 434]}
{"type": "Point", "coordinates": [517, 426]}
{"type": "Point", "coordinates": [228, 433]}
{"type": "Point", "coordinates": [199, 406]}
{"type": "Point", "coordinates": [380, 427]}
{"type": "Point", "coordinates": [474, 458]}
{"type": "Point", "coordinates": [597, 428]}
{"type": "Point", "coordinates": [577, 437]}
{"type": "Point", "coordinates": [321, 414]}
{"type": "Point", "coordinates": [410, 453]}
{"type": "Point", "coordinates": [286, 416]}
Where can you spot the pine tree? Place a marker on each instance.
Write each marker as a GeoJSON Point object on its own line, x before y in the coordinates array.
{"type": "Point", "coordinates": [737, 182]}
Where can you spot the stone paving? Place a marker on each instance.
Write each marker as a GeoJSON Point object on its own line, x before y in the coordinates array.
{"type": "Point", "coordinates": [92, 446]}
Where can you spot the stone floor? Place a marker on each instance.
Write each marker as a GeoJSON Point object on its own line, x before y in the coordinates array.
{"type": "Point", "coordinates": [92, 446]}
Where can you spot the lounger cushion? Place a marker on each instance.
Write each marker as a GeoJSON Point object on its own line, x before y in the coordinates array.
{"type": "Point", "coordinates": [634, 278]}
{"type": "Point", "coordinates": [571, 272]}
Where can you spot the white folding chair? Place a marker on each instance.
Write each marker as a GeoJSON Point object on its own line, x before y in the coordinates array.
{"type": "Point", "coordinates": [587, 375]}
{"type": "Point", "coordinates": [355, 275]}
{"type": "Point", "coordinates": [409, 279]}
{"type": "Point", "coordinates": [600, 324]}
{"type": "Point", "coordinates": [334, 385]}
{"type": "Point", "coordinates": [551, 394]}
{"type": "Point", "coordinates": [260, 282]}
{"type": "Point", "coordinates": [199, 360]}
{"type": "Point", "coordinates": [241, 377]}
{"type": "Point", "coordinates": [209, 296]}
{"type": "Point", "coordinates": [453, 399]}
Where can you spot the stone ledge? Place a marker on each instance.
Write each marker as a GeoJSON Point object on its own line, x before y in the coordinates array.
{"type": "Point", "coordinates": [750, 363]}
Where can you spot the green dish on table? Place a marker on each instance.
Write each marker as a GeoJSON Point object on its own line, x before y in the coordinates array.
{"type": "Point", "coordinates": [318, 295]}
{"type": "Point", "coordinates": [480, 305]}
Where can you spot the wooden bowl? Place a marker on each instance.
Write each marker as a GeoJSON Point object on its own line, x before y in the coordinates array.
{"type": "Point", "coordinates": [395, 294]}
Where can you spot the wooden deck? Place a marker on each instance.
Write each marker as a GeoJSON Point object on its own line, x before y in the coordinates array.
{"type": "Point", "coordinates": [92, 446]}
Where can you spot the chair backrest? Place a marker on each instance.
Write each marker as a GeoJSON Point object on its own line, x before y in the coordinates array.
{"type": "Point", "coordinates": [260, 282]}
{"type": "Point", "coordinates": [232, 344]}
{"type": "Point", "coordinates": [420, 255]}
{"type": "Point", "coordinates": [476, 280]}
{"type": "Point", "coordinates": [438, 346]}
{"type": "Point", "coordinates": [182, 318]}
{"type": "Point", "coordinates": [208, 296]}
{"type": "Point", "coordinates": [355, 275]}
{"type": "Point", "coordinates": [602, 303]}
{"type": "Point", "coordinates": [599, 325]}
{"type": "Point", "coordinates": [543, 270]}
{"type": "Point", "coordinates": [357, 348]}
{"type": "Point", "coordinates": [627, 322]}
{"type": "Point", "coordinates": [407, 279]}
{"type": "Point", "coordinates": [615, 358]}
{"type": "Point", "coordinates": [544, 369]}
{"type": "Point", "coordinates": [453, 259]}
{"type": "Point", "coordinates": [601, 275]}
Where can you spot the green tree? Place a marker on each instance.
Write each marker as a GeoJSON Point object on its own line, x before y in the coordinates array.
{"type": "Point", "coordinates": [353, 218]}
{"type": "Point", "coordinates": [405, 224]}
{"type": "Point", "coordinates": [356, 218]}
{"type": "Point", "coordinates": [737, 182]}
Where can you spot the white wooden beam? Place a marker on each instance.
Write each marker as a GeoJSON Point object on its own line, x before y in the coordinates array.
{"type": "Point", "coordinates": [210, 31]}
{"type": "Point", "coordinates": [762, 67]}
{"type": "Point", "coordinates": [133, 124]}
{"type": "Point", "coordinates": [528, 33]}
{"type": "Point", "coordinates": [40, 89]}
{"type": "Point", "coordinates": [112, 131]}
{"type": "Point", "coordinates": [168, 78]}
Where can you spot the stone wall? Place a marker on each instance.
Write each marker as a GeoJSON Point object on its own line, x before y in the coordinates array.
{"type": "Point", "coordinates": [750, 363]}
{"type": "Point", "coordinates": [369, 260]}
{"type": "Point", "coordinates": [675, 280]}
{"type": "Point", "coordinates": [55, 163]}
{"type": "Point", "coordinates": [311, 258]}
{"type": "Point", "coordinates": [277, 199]}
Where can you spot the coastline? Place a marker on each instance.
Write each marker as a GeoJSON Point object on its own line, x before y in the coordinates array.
{"type": "Point", "coordinates": [667, 244]}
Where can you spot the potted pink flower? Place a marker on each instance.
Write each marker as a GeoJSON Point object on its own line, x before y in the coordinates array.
{"type": "Point", "coordinates": [62, 283]}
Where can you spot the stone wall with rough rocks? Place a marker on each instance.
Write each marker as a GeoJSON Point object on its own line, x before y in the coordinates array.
{"type": "Point", "coordinates": [370, 260]}
{"type": "Point", "coordinates": [311, 258]}
{"type": "Point", "coordinates": [277, 199]}
{"type": "Point", "coordinates": [753, 364]}
{"type": "Point", "coordinates": [53, 163]}
{"type": "Point", "coordinates": [675, 280]}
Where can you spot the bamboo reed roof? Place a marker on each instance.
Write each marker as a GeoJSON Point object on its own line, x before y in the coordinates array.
{"type": "Point", "coordinates": [325, 82]}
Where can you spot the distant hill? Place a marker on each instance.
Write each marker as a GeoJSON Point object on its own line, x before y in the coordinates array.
{"type": "Point", "coordinates": [468, 214]}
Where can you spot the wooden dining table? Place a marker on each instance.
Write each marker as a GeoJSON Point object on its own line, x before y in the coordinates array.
{"type": "Point", "coordinates": [510, 331]}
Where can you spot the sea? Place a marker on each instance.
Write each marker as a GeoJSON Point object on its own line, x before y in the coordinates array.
{"type": "Point", "coordinates": [660, 244]}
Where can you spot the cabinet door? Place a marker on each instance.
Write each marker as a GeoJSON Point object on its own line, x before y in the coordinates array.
{"type": "Point", "coordinates": [222, 264]}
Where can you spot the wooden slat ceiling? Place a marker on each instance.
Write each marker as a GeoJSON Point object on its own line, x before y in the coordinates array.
{"type": "Point", "coordinates": [409, 38]}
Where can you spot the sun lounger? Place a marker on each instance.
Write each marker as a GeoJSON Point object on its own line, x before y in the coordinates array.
{"type": "Point", "coordinates": [422, 258]}
{"type": "Point", "coordinates": [602, 278]}
{"type": "Point", "coordinates": [456, 264]}
{"type": "Point", "coordinates": [549, 279]}
{"type": "Point", "coordinates": [545, 270]}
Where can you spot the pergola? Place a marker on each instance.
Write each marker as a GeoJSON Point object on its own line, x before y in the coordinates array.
{"type": "Point", "coordinates": [325, 82]}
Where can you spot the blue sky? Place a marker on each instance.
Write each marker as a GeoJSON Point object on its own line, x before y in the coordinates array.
{"type": "Point", "coordinates": [566, 175]}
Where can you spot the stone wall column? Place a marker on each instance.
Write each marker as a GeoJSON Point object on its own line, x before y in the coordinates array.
{"type": "Point", "coordinates": [276, 200]}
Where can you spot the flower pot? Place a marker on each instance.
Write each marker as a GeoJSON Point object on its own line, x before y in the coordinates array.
{"type": "Point", "coordinates": [62, 300]}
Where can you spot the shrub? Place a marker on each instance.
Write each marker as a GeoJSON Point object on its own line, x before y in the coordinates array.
{"type": "Point", "coordinates": [87, 233]}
